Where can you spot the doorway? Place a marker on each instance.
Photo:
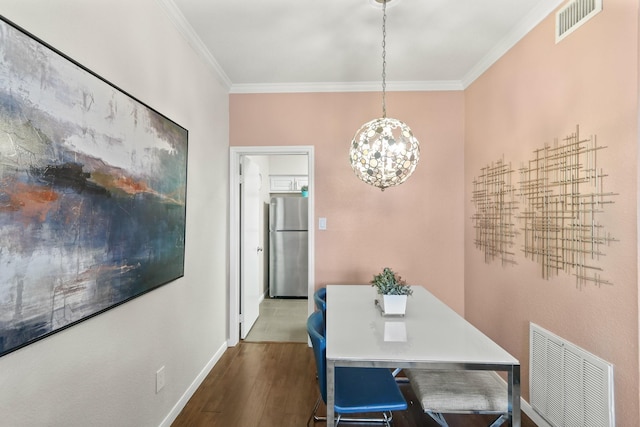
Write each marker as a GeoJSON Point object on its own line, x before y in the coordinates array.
{"type": "Point", "coordinates": [235, 230]}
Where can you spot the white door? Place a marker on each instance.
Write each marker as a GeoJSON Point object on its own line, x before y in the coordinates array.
{"type": "Point", "coordinates": [250, 283]}
{"type": "Point", "coordinates": [235, 162]}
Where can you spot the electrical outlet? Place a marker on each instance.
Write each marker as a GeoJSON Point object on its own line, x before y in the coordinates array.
{"type": "Point", "coordinates": [160, 379]}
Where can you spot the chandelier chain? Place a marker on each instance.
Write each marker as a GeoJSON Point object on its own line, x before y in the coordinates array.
{"type": "Point", "coordinates": [384, 58]}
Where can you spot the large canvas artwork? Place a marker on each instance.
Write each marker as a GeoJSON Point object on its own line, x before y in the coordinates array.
{"type": "Point", "coordinates": [92, 193]}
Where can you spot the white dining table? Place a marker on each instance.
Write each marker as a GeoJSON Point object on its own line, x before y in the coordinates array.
{"type": "Point", "coordinates": [430, 335]}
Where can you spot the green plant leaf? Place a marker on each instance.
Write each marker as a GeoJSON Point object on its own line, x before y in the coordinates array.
{"type": "Point", "coordinates": [390, 283]}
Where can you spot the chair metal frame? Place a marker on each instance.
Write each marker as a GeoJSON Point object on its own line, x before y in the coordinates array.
{"type": "Point", "coordinates": [387, 417]}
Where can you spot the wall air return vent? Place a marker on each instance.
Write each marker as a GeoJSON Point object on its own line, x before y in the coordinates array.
{"type": "Point", "coordinates": [568, 386]}
{"type": "Point", "coordinates": [574, 14]}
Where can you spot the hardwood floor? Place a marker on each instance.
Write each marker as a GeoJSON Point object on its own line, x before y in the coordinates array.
{"type": "Point", "coordinates": [274, 385]}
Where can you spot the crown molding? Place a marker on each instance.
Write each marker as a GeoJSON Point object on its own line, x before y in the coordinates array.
{"type": "Point", "coordinates": [183, 26]}
{"type": "Point", "coordinates": [521, 29]}
{"type": "Point", "coordinates": [540, 12]}
{"type": "Point", "coordinates": [394, 86]}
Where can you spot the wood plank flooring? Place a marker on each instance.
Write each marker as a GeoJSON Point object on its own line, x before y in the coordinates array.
{"type": "Point", "coordinates": [274, 385]}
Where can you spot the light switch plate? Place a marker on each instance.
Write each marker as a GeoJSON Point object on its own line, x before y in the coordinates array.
{"type": "Point", "coordinates": [322, 223]}
{"type": "Point", "coordinates": [160, 379]}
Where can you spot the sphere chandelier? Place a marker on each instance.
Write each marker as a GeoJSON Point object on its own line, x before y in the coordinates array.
{"type": "Point", "coordinates": [384, 151]}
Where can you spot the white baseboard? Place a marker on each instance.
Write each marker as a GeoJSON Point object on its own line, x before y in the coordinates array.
{"type": "Point", "coordinates": [527, 408]}
{"type": "Point", "coordinates": [531, 413]}
{"type": "Point", "coordinates": [182, 402]}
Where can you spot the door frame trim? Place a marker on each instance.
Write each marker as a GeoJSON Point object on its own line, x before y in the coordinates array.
{"type": "Point", "coordinates": [233, 291]}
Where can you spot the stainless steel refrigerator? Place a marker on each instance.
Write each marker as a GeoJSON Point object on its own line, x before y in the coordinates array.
{"type": "Point", "coordinates": [288, 247]}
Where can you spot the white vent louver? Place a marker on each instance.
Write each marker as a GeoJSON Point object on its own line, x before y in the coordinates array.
{"type": "Point", "coordinates": [574, 14]}
{"type": "Point", "coordinates": [568, 386]}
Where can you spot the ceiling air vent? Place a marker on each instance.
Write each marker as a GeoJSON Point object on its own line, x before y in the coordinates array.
{"type": "Point", "coordinates": [574, 14]}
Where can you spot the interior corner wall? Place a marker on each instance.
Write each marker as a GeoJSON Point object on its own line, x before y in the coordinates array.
{"type": "Point", "coordinates": [414, 228]}
{"type": "Point", "coordinates": [102, 372]}
{"type": "Point", "coordinates": [638, 184]}
{"type": "Point", "coordinates": [539, 91]}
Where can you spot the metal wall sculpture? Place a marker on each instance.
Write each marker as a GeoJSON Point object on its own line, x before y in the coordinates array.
{"type": "Point", "coordinates": [493, 197]}
{"type": "Point", "coordinates": [563, 190]}
{"type": "Point", "coordinates": [92, 193]}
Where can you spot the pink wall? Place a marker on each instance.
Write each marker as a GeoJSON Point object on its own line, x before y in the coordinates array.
{"type": "Point", "coordinates": [415, 228]}
{"type": "Point", "coordinates": [536, 92]}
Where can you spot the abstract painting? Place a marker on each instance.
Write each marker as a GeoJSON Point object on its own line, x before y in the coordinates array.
{"type": "Point", "coordinates": [92, 193]}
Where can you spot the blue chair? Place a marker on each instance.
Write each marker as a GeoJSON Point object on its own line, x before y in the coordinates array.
{"type": "Point", "coordinates": [320, 298]}
{"type": "Point", "coordinates": [357, 390]}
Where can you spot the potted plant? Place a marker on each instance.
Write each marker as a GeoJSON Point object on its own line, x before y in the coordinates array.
{"type": "Point", "coordinates": [304, 190]}
{"type": "Point", "coordinates": [394, 291]}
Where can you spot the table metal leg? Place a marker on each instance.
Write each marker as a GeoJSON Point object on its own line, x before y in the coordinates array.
{"type": "Point", "coordinates": [330, 393]}
{"type": "Point", "coordinates": [514, 396]}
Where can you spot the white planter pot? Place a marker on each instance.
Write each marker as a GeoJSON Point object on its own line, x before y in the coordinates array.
{"type": "Point", "coordinates": [394, 304]}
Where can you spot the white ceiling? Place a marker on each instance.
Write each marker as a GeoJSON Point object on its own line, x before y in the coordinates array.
{"type": "Point", "coordinates": [329, 45]}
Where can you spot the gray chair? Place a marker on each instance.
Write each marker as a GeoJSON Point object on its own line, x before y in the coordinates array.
{"type": "Point", "coordinates": [460, 392]}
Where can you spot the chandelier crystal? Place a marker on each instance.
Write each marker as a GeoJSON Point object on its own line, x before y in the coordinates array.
{"type": "Point", "coordinates": [384, 151]}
